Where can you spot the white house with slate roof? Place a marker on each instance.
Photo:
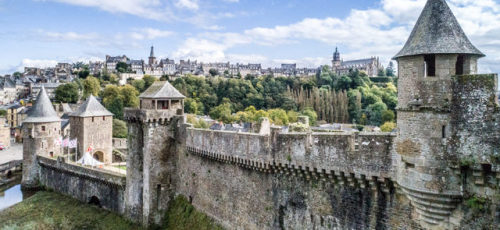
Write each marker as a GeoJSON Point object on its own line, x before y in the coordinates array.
{"type": "Point", "coordinates": [92, 126]}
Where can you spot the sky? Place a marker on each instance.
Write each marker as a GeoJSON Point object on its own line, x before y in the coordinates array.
{"type": "Point", "coordinates": [41, 33]}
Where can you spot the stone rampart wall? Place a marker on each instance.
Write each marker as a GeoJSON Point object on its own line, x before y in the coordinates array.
{"type": "Point", "coordinates": [84, 184]}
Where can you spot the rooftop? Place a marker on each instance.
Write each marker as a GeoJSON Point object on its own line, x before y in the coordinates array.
{"type": "Point", "coordinates": [437, 32]}
{"type": "Point", "coordinates": [162, 89]}
{"type": "Point", "coordinates": [91, 108]}
{"type": "Point", "coordinates": [42, 111]}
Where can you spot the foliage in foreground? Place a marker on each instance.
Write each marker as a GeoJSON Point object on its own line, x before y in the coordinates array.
{"type": "Point", "coordinates": [47, 210]}
{"type": "Point", "coordinates": [181, 215]}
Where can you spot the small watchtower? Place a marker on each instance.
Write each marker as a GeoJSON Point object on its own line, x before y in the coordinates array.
{"type": "Point", "coordinates": [41, 131]}
{"type": "Point", "coordinates": [152, 143]}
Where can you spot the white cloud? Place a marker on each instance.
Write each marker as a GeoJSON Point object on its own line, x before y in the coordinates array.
{"type": "Point", "coordinates": [152, 9]}
{"type": "Point", "coordinates": [150, 34]}
{"type": "Point", "coordinates": [363, 33]}
{"type": "Point", "coordinates": [39, 63]}
{"type": "Point", "coordinates": [232, 1]}
{"type": "Point", "coordinates": [187, 4]}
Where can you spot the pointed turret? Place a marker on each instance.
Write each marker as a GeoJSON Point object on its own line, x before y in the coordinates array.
{"type": "Point", "coordinates": [336, 55]}
{"type": "Point", "coordinates": [42, 111]}
{"type": "Point", "coordinates": [91, 108]}
{"type": "Point", "coordinates": [437, 32]}
{"type": "Point", "coordinates": [152, 53]}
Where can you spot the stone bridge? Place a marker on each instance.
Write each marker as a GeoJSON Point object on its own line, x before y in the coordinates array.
{"type": "Point", "coordinates": [89, 185]}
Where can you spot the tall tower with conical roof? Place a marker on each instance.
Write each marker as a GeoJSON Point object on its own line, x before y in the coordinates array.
{"type": "Point", "coordinates": [436, 50]}
{"type": "Point", "coordinates": [41, 130]}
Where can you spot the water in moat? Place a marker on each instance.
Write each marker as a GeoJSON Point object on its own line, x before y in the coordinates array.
{"type": "Point", "coordinates": [12, 194]}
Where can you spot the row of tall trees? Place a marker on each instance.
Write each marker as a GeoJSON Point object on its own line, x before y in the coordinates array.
{"type": "Point", "coordinates": [330, 105]}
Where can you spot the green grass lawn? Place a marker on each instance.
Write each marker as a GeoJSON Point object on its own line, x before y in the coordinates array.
{"type": "Point", "coordinates": [48, 210]}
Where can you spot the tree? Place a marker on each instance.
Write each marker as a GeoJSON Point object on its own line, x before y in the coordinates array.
{"type": "Point", "coordinates": [92, 86]}
{"type": "Point", "coordinates": [381, 72]}
{"type": "Point", "coordinates": [148, 81]}
{"type": "Point", "coordinates": [3, 113]}
{"type": "Point", "coordinates": [67, 93]}
{"type": "Point", "coordinates": [313, 117]}
{"type": "Point", "coordinates": [213, 72]}
{"type": "Point", "coordinates": [119, 129]}
{"type": "Point", "coordinates": [130, 96]}
{"type": "Point", "coordinates": [84, 73]}
{"type": "Point", "coordinates": [388, 116]}
{"type": "Point", "coordinates": [388, 127]}
{"type": "Point", "coordinates": [389, 71]}
{"type": "Point", "coordinates": [222, 113]}
{"type": "Point", "coordinates": [139, 85]}
{"type": "Point", "coordinates": [374, 112]}
{"type": "Point", "coordinates": [123, 67]}
{"type": "Point", "coordinates": [116, 107]}
{"type": "Point", "coordinates": [278, 116]}
{"type": "Point", "coordinates": [17, 75]}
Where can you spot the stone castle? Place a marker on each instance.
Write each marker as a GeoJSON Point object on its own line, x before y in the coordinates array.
{"type": "Point", "coordinates": [440, 170]}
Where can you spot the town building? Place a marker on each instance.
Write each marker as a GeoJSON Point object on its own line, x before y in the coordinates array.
{"type": "Point", "coordinates": [50, 88]}
{"type": "Point", "coordinates": [92, 126]}
{"type": "Point", "coordinates": [111, 62]}
{"type": "Point", "coordinates": [370, 66]}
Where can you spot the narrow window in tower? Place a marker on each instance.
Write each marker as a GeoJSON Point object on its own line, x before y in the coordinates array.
{"type": "Point", "coordinates": [43, 128]}
{"type": "Point", "coordinates": [430, 65]}
{"type": "Point", "coordinates": [158, 195]}
{"type": "Point", "coordinates": [459, 69]}
{"type": "Point", "coordinates": [92, 119]}
{"type": "Point", "coordinates": [443, 131]}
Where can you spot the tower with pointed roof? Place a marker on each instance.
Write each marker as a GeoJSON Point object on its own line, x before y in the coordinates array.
{"type": "Point", "coordinates": [436, 51]}
{"type": "Point", "coordinates": [40, 131]}
{"type": "Point", "coordinates": [152, 58]}
{"type": "Point", "coordinates": [92, 125]}
{"type": "Point", "coordinates": [336, 62]}
{"type": "Point", "coordinates": [152, 147]}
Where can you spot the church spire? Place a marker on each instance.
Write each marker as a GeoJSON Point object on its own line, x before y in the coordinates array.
{"type": "Point", "coordinates": [152, 53]}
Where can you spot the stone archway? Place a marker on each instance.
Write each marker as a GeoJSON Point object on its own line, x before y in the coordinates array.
{"type": "Point", "coordinates": [95, 201]}
{"type": "Point", "coordinates": [98, 155]}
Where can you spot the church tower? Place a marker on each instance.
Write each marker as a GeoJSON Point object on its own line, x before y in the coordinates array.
{"type": "Point", "coordinates": [436, 50]}
{"type": "Point", "coordinates": [152, 58]}
{"type": "Point", "coordinates": [41, 131]}
{"type": "Point", "coordinates": [336, 62]}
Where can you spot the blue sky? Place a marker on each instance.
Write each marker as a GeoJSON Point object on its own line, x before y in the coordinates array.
{"type": "Point", "coordinates": [43, 32]}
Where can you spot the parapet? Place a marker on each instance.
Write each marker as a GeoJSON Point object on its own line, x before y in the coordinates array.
{"type": "Point", "coordinates": [151, 116]}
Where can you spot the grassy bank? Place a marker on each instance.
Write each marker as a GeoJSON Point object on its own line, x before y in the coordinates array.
{"type": "Point", "coordinates": [47, 210]}
{"type": "Point", "coordinates": [181, 215]}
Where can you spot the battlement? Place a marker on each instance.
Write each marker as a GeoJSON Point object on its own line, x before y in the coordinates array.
{"type": "Point", "coordinates": [346, 158]}
{"type": "Point", "coordinates": [150, 115]}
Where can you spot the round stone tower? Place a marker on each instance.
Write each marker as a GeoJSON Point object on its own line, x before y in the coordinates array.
{"type": "Point", "coordinates": [436, 50]}
{"type": "Point", "coordinates": [40, 130]}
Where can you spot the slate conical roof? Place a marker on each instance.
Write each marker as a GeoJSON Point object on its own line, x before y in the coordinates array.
{"type": "Point", "coordinates": [91, 108]}
{"type": "Point", "coordinates": [42, 111]}
{"type": "Point", "coordinates": [437, 32]}
{"type": "Point", "coordinates": [162, 89]}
